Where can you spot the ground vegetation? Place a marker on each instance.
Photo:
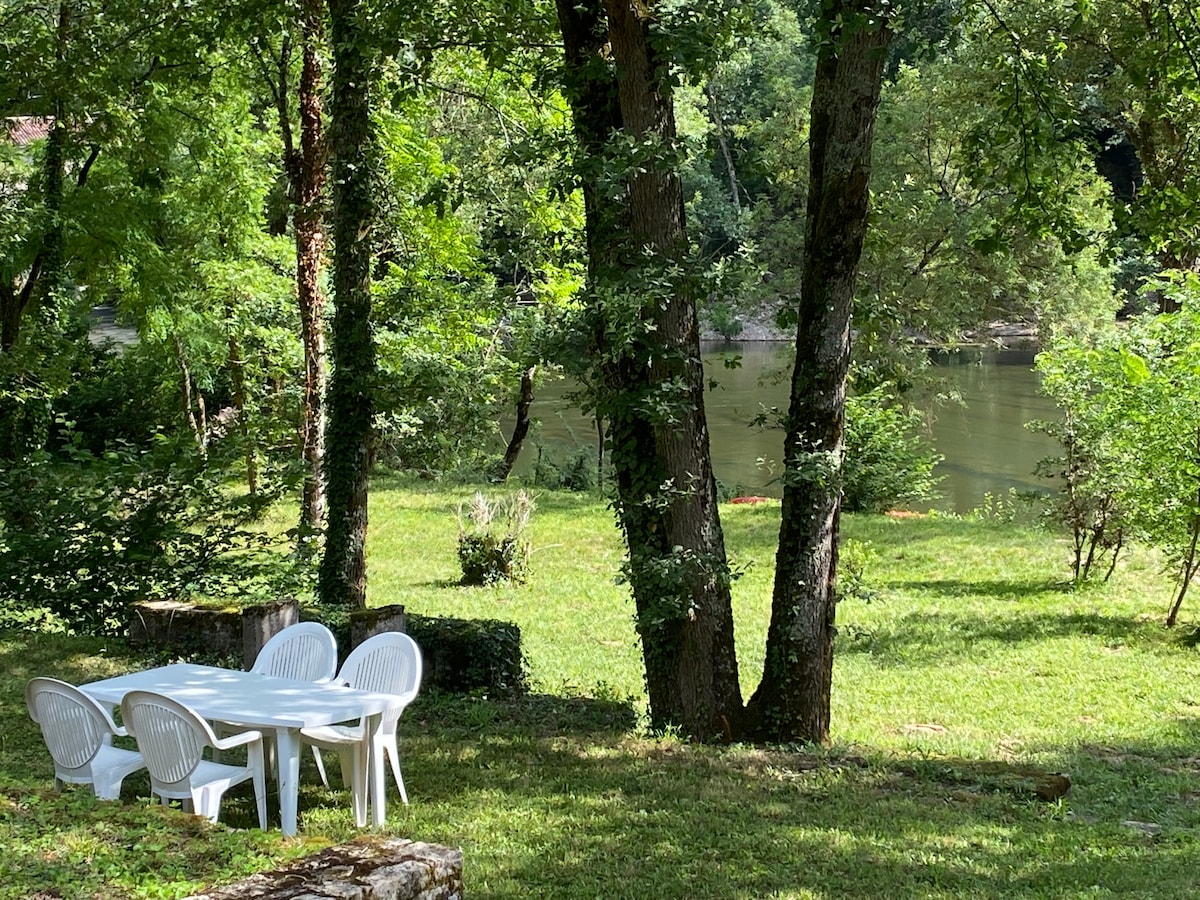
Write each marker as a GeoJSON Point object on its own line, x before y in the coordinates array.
{"type": "Point", "coordinates": [974, 670]}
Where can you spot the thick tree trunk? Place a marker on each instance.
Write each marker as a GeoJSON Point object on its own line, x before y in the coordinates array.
{"type": "Point", "coordinates": [343, 572]}
{"type": "Point", "coordinates": [646, 344]}
{"type": "Point", "coordinates": [792, 701]}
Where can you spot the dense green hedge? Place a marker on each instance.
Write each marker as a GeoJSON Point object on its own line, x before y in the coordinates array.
{"type": "Point", "coordinates": [460, 655]}
{"type": "Point", "coordinates": [465, 655]}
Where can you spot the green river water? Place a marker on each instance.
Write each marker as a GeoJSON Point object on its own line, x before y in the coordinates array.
{"type": "Point", "coordinates": [986, 447]}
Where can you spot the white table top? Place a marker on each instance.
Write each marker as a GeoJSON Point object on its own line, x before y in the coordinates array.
{"type": "Point", "coordinates": [245, 698]}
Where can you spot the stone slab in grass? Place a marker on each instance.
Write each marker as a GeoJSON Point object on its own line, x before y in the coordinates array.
{"type": "Point", "coordinates": [366, 869]}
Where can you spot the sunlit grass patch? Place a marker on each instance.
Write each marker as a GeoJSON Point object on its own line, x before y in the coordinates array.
{"type": "Point", "coordinates": [967, 670]}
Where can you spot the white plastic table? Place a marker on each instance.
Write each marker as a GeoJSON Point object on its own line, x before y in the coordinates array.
{"type": "Point", "coordinates": [279, 705]}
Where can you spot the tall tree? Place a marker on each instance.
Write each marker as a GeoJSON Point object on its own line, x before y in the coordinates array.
{"type": "Point", "coordinates": [646, 350]}
{"type": "Point", "coordinates": [304, 167]}
{"type": "Point", "coordinates": [793, 700]}
{"type": "Point", "coordinates": [307, 173]}
{"type": "Point", "coordinates": [343, 571]}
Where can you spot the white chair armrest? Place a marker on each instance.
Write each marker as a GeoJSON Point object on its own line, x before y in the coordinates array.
{"type": "Point", "coordinates": [236, 740]}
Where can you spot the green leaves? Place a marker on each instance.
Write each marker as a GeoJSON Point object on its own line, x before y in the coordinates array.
{"type": "Point", "coordinates": [1131, 403]}
{"type": "Point", "coordinates": [1135, 367]}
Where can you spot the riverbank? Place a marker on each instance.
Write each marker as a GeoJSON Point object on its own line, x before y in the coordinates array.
{"type": "Point", "coordinates": [761, 326]}
{"type": "Point", "coordinates": [986, 448]}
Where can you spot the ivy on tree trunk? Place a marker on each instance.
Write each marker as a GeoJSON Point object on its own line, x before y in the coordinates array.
{"type": "Point", "coordinates": [343, 572]}
{"type": "Point", "coordinates": [645, 343]}
{"type": "Point", "coordinates": [792, 701]}
{"type": "Point", "coordinates": [307, 173]}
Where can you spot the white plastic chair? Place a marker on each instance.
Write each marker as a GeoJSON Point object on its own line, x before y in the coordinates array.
{"type": "Point", "coordinates": [172, 739]}
{"type": "Point", "coordinates": [306, 651]}
{"type": "Point", "coordinates": [78, 732]}
{"type": "Point", "coordinates": [388, 663]}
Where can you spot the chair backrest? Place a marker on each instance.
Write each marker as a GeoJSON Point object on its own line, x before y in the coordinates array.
{"type": "Point", "coordinates": [170, 736]}
{"type": "Point", "coordinates": [306, 651]}
{"type": "Point", "coordinates": [388, 663]}
{"type": "Point", "coordinates": [73, 724]}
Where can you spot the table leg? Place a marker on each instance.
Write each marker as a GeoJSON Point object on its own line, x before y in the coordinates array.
{"type": "Point", "coordinates": [358, 790]}
{"type": "Point", "coordinates": [375, 758]}
{"type": "Point", "coordinates": [287, 755]}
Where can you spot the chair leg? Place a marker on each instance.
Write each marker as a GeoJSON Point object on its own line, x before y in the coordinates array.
{"type": "Point", "coordinates": [205, 801]}
{"type": "Point", "coordinates": [346, 760]}
{"type": "Point", "coordinates": [320, 766]}
{"type": "Point", "coordinates": [393, 755]}
{"type": "Point", "coordinates": [256, 760]}
{"type": "Point", "coordinates": [260, 798]}
{"type": "Point", "coordinates": [106, 790]}
{"type": "Point", "coordinates": [358, 759]}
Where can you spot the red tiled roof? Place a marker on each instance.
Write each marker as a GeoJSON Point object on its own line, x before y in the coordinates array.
{"type": "Point", "coordinates": [24, 130]}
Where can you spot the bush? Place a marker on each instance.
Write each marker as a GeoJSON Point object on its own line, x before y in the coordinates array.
{"type": "Point", "coordinates": [576, 473]}
{"type": "Point", "coordinates": [724, 318]}
{"type": "Point", "coordinates": [887, 462]}
{"type": "Point", "coordinates": [491, 539]}
{"type": "Point", "coordinates": [86, 536]}
{"type": "Point", "coordinates": [466, 655]}
{"type": "Point", "coordinates": [118, 399]}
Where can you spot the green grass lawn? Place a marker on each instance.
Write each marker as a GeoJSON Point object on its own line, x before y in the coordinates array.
{"type": "Point", "coordinates": [972, 665]}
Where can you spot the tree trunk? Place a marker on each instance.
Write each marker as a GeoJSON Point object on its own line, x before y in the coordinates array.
{"type": "Point", "coordinates": [193, 404]}
{"type": "Point", "coordinates": [792, 701]}
{"type": "Point", "coordinates": [48, 295]}
{"type": "Point", "coordinates": [308, 216]}
{"type": "Point", "coordinates": [237, 378]}
{"type": "Point", "coordinates": [666, 490]}
{"type": "Point", "coordinates": [521, 428]}
{"type": "Point", "coordinates": [343, 572]}
{"type": "Point", "coordinates": [714, 115]}
{"type": "Point", "coordinates": [43, 286]}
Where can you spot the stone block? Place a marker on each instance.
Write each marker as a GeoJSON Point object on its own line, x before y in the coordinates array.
{"type": "Point", "coordinates": [366, 623]}
{"type": "Point", "coordinates": [366, 869]}
{"type": "Point", "coordinates": [184, 628]}
{"type": "Point", "coordinates": [262, 622]}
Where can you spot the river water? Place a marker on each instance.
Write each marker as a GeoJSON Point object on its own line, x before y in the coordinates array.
{"type": "Point", "coordinates": [986, 447]}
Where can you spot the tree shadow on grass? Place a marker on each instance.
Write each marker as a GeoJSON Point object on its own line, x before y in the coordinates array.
{"type": "Point", "coordinates": [440, 583]}
{"type": "Point", "coordinates": [941, 636]}
{"type": "Point", "coordinates": [529, 716]}
{"type": "Point", "coordinates": [664, 820]}
{"type": "Point", "coordinates": [998, 589]}
{"type": "Point", "coordinates": [555, 797]}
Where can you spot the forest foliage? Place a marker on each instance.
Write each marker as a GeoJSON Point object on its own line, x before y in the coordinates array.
{"type": "Point", "coordinates": [1032, 163]}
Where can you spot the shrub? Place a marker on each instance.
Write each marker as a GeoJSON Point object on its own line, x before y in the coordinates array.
{"type": "Point", "coordinates": [118, 399]}
{"type": "Point", "coordinates": [466, 655]}
{"type": "Point", "coordinates": [887, 462]}
{"type": "Point", "coordinates": [85, 536]}
{"type": "Point", "coordinates": [460, 656]}
{"type": "Point", "coordinates": [1130, 436]}
{"type": "Point", "coordinates": [491, 539]}
{"type": "Point", "coordinates": [724, 318]}
{"type": "Point", "coordinates": [576, 473]}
